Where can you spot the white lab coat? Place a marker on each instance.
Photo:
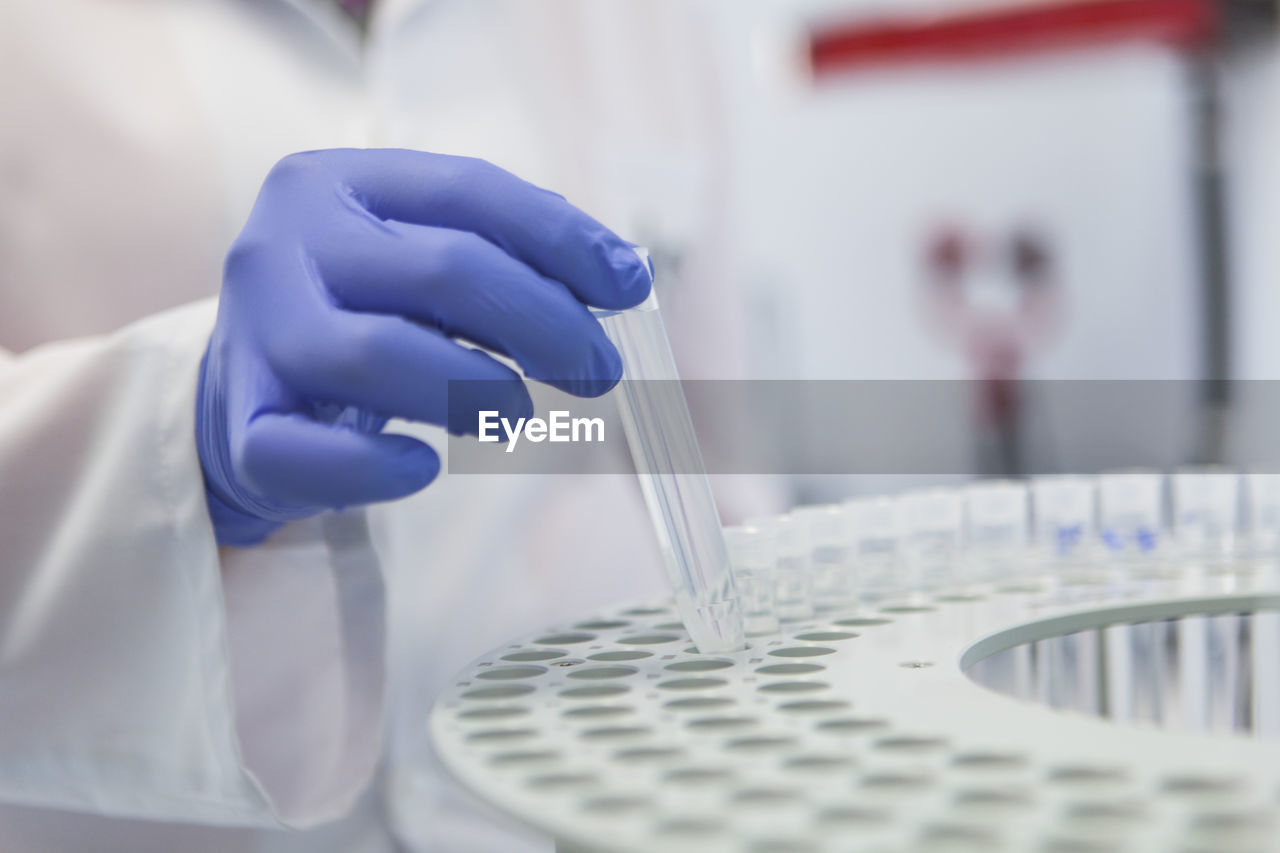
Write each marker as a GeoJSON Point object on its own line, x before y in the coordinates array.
{"type": "Point", "coordinates": [148, 682]}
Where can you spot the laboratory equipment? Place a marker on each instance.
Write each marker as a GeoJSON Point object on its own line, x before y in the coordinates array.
{"type": "Point", "coordinates": [795, 577]}
{"type": "Point", "coordinates": [664, 447]}
{"type": "Point", "coordinates": [875, 540]}
{"type": "Point", "coordinates": [754, 556]}
{"type": "Point", "coordinates": [1131, 512]}
{"type": "Point", "coordinates": [995, 528]}
{"type": "Point", "coordinates": [933, 532]}
{"type": "Point", "coordinates": [1263, 493]}
{"type": "Point", "coordinates": [1063, 512]}
{"type": "Point", "coordinates": [1205, 502]}
{"type": "Point", "coordinates": [827, 533]}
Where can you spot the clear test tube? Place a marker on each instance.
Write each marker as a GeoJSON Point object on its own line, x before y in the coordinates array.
{"type": "Point", "coordinates": [655, 418]}
{"type": "Point", "coordinates": [794, 599]}
{"type": "Point", "coordinates": [933, 536]}
{"type": "Point", "coordinates": [874, 528]}
{"type": "Point", "coordinates": [754, 555]}
{"type": "Point", "coordinates": [1063, 511]}
{"type": "Point", "coordinates": [1262, 491]}
{"type": "Point", "coordinates": [1131, 512]}
{"type": "Point", "coordinates": [995, 528]}
{"type": "Point", "coordinates": [1205, 503]}
{"type": "Point", "coordinates": [828, 539]}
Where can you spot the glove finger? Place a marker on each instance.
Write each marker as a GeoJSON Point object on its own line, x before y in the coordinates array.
{"type": "Point", "coordinates": [467, 287]}
{"type": "Point", "coordinates": [540, 228]}
{"type": "Point", "coordinates": [292, 460]}
{"type": "Point", "coordinates": [396, 368]}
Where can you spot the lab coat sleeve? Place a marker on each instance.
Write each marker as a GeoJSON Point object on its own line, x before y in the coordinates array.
{"type": "Point", "coordinates": [142, 672]}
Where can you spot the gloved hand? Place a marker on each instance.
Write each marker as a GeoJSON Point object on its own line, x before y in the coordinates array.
{"type": "Point", "coordinates": [341, 300]}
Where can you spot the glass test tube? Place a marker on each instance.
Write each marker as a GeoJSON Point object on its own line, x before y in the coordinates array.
{"type": "Point", "coordinates": [795, 580]}
{"type": "Point", "coordinates": [1063, 516]}
{"type": "Point", "coordinates": [933, 531]}
{"type": "Point", "coordinates": [826, 526]}
{"type": "Point", "coordinates": [655, 418]}
{"type": "Point", "coordinates": [996, 527]}
{"type": "Point", "coordinates": [1264, 511]}
{"type": "Point", "coordinates": [754, 556]}
{"type": "Point", "coordinates": [875, 537]}
{"type": "Point", "coordinates": [1204, 510]}
{"type": "Point", "coordinates": [1131, 509]}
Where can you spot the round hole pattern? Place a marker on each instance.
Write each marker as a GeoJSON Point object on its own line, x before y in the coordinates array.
{"type": "Point", "coordinates": [790, 668]}
{"type": "Point", "coordinates": [649, 639]}
{"type": "Point", "coordinates": [598, 673]}
{"type": "Point", "coordinates": [511, 673]}
{"type": "Point", "coordinates": [616, 721]}
{"type": "Point", "coordinates": [499, 712]}
{"type": "Point", "coordinates": [534, 655]}
{"type": "Point", "coordinates": [793, 687]}
{"type": "Point", "coordinates": [802, 652]}
{"type": "Point", "coordinates": [703, 665]}
{"type": "Point", "coordinates": [826, 636]}
{"type": "Point", "coordinates": [595, 691]}
{"type": "Point", "coordinates": [624, 655]}
{"type": "Point", "coordinates": [692, 683]}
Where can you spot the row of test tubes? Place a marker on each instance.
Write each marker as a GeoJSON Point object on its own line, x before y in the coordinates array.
{"type": "Point", "coordinates": [830, 557]}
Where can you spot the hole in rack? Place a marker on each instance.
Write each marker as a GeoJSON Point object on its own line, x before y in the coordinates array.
{"type": "Point", "coordinates": [669, 626]}
{"type": "Point", "coordinates": [610, 657]}
{"type": "Point", "coordinates": [793, 687]}
{"type": "Point", "coordinates": [645, 611]}
{"type": "Point", "coordinates": [826, 636]}
{"type": "Point", "coordinates": [603, 672]}
{"type": "Point", "coordinates": [718, 724]}
{"type": "Point", "coordinates": [502, 712]}
{"type": "Point", "coordinates": [648, 754]}
{"type": "Point", "coordinates": [595, 691]}
{"type": "Point", "coordinates": [616, 733]}
{"type": "Point", "coordinates": [764, 796]}
{"type": "Point", "coordinates": [1197, 785]}
{"type": "Point", "coordinates": [801, 652]}
{"type": "Point", "coordinates": [819, 763]}
{"type": "Point", "coordinates": [908, 743]}
{"type": "Point", "coordinates": [691, 683]}
{"type": "Point", "coordinates": [521, 758]}
{"type": "Point", "coordinates": [905, 609]}
{"type": "Point", "coordinates": [648, 639]}
{"type": "Point", "coordinates": [700, 703]}
{"type": "Point", "coordinates": [814, 707]}
{"type": "Point", "coordinates": [534, 655]}
{"type": "Point", "coordinates": [698, 775]}
{"type": "Point", "coordinates": [988, 760]}
{"type": "Point", "coordinates": [853, 816]}
{"type": "Point", "coordinates": [783, 845]}
{"type": "Point", "coordinates": [760, 744]}
{"type": "Point", "coordinates": [852, 725]}
{"type": "Point", "coordinates": [707, 665]}
{"type": "Point", "coordinates": [569, 639]}
{"type": "Point", "coordinates": [511, 673]}
{"type": "Point", "coordinates": [602, 625]}
{"type": "Point", "coordinates": [1085, 774]}
{"type": "Point", "coordinates": [790, 668]}
{"type": "Point", "coordinates": [503, 691]}
{"type": "Point", "coordinates": [595, 712]}
{"type": "Point", "coordinates": [861, 622]}
{"type": "Point", "coordinates": [501, 735]}
{"type": "Point", "coordinates": [895, 781]}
